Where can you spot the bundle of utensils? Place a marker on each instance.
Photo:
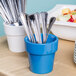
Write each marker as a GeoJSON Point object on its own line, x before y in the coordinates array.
{"type": "Point", "coordinates": [33, 23]}
{"type": "Point", "coordinates": [13, 12]}
{"type": "Point", "coordinates": [10, 10]}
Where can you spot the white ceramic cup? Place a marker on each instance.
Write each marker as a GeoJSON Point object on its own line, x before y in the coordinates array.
{"type": "Point", "coordinates": [15, 37]}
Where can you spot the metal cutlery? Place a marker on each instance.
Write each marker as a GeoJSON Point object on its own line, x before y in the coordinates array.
{"type": "Point", "coordinates": [21, 6]}
{"type": "Point", "coordinates": [34, 27]}
{"type": "Point", "coordinates": [46, 18]}
{"type": "Point", "coordinates": [13, 12]}
{"type": "Point", "coordinates": [38, 26]}
{"type": "Point", "coordinates": [7, 9]}
{"type": "Point", "coordinates": [42, 15]}
{"type": "Point", "coordinates": [30, 28]}
{"type": "Point", "coordinates": [12, 9]}
{"type": "Point", "coordinates": [3, 10]}
{"type": "Point", "coordinates": [52, 20]}
{"type": "Point", "coordinates": [16, 5]}
{"type": "Point", "coordinates": [24, 22]}
{"type": "Point", "coordinates": [11, 4]}
{"type": "Point", "coordinates": [3, 15]}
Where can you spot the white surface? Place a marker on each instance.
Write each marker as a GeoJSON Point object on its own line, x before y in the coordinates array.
{"type": "Point", "coordinates": [15, 37]}
{"type": "Point", "coordinates": [64, 30]}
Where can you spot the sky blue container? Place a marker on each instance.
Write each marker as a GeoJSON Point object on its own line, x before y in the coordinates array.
{"type": "Point", "coordinates": [41, 56]}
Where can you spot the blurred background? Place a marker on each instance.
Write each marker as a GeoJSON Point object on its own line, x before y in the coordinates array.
{"type": "Point", "coordinates": [33, 6]}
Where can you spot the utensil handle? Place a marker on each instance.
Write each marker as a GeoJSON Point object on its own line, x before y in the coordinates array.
{"type": "Point", "coordinates": [24, 22]}
{"type": "Point", "coordinates": [38, 26]}
{"type": "Point", "coordinates": [6, 7]}
{"type": "Point", "coordinates": [13, 9]}
{"type": "Point", "coordinates": [3, 15]}
{"type": "Point", "coordinates": [42, 15]}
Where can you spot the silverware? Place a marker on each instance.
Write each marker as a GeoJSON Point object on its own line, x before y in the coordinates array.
{"type": "Point", "coordinates": [21, 6]}
{"type": "Point", "coordinates": [12, 9]}
{"type": "Point", "coordinates": [30, 28]}
{"type": "Point", "coordinates": [24, 22]}
{"type": "Point", "coordinates": [7, 9]}
{"type": "Point", "coordinates": [42, 15]}
{"type": "Point", "coordinates": [4, 12]}
{"type": "Point", "coordinates": [38, 26]}
{"type": "Point", "coordinates": [34, 27]}
{"type": "Point", "coordinates": [46, 18]}
{"type": "Point", "coordinates": [11, 4]}
{"type": "Point", "coordinates": [52, 20]}
{"type": "Point", "coordinates": [16, 5]}
{"type": "Point", "coordinates": [3, 15]}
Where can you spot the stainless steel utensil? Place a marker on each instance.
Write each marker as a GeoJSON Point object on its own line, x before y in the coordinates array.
{"type": "Point", "coordinates": [12, 6]}
{"type": "Point", "coordinates": [4, 11]}
{"type": "Point", "coordinates": [12, 9]}
{"type": "Point", "coordinates": [30, 28]}
{"type": "Point", "coordinates": [24, 22]}
{"type": "Point", "coordinates": [52, 20]}
{"type": "Point", "coordinates": [3, 15]}
{"type": "Point", "coordinates": [7, 9]}
{"type": "Point", "coordinates": [21, 6]}
{"type": "Point", "coordinates": [46, 18]}
{"type": "Point", "coordinates": [42, 15]}
{"type": "Point", "coordinates": [16, 5]}
{"type": "Point", "coordinates": [38, 26]}
{"type": "Point", "coordinates": [34, 27]}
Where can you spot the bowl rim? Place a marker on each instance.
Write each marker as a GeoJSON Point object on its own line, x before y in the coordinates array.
{"type": "Point", "coordinates": [61, 23]}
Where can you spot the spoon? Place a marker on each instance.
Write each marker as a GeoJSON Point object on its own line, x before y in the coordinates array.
{"type": "Point", "coordinates": [42, 15]}
{"type": "Point", "coordinates": [7, 9]}
{"type": "Point", "coordinates": [52, 20]}
{"type": "Point", "coordinates": [34, 27]}
{"type": "Point", "coordinates": [3, 15]}
{"type": "Point", "coordinates": [30, 28]}
{"type": "Point", "coordinates": [38, 26]}
{"type": "Point", "coordinates": [13, 9]}
{"type": "Point", "coordinates": [24, 22]}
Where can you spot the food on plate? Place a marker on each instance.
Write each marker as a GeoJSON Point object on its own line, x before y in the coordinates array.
{"type": "Point", "coordinates": [63, 18]}
{"type": "Point", "coordinates": [67, 15]}
{"type": "Point", "coordinates": [66, 11]}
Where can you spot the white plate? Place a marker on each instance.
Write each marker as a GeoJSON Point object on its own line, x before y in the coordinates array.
{"type": "Point", "coordinates": [64, 30]}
